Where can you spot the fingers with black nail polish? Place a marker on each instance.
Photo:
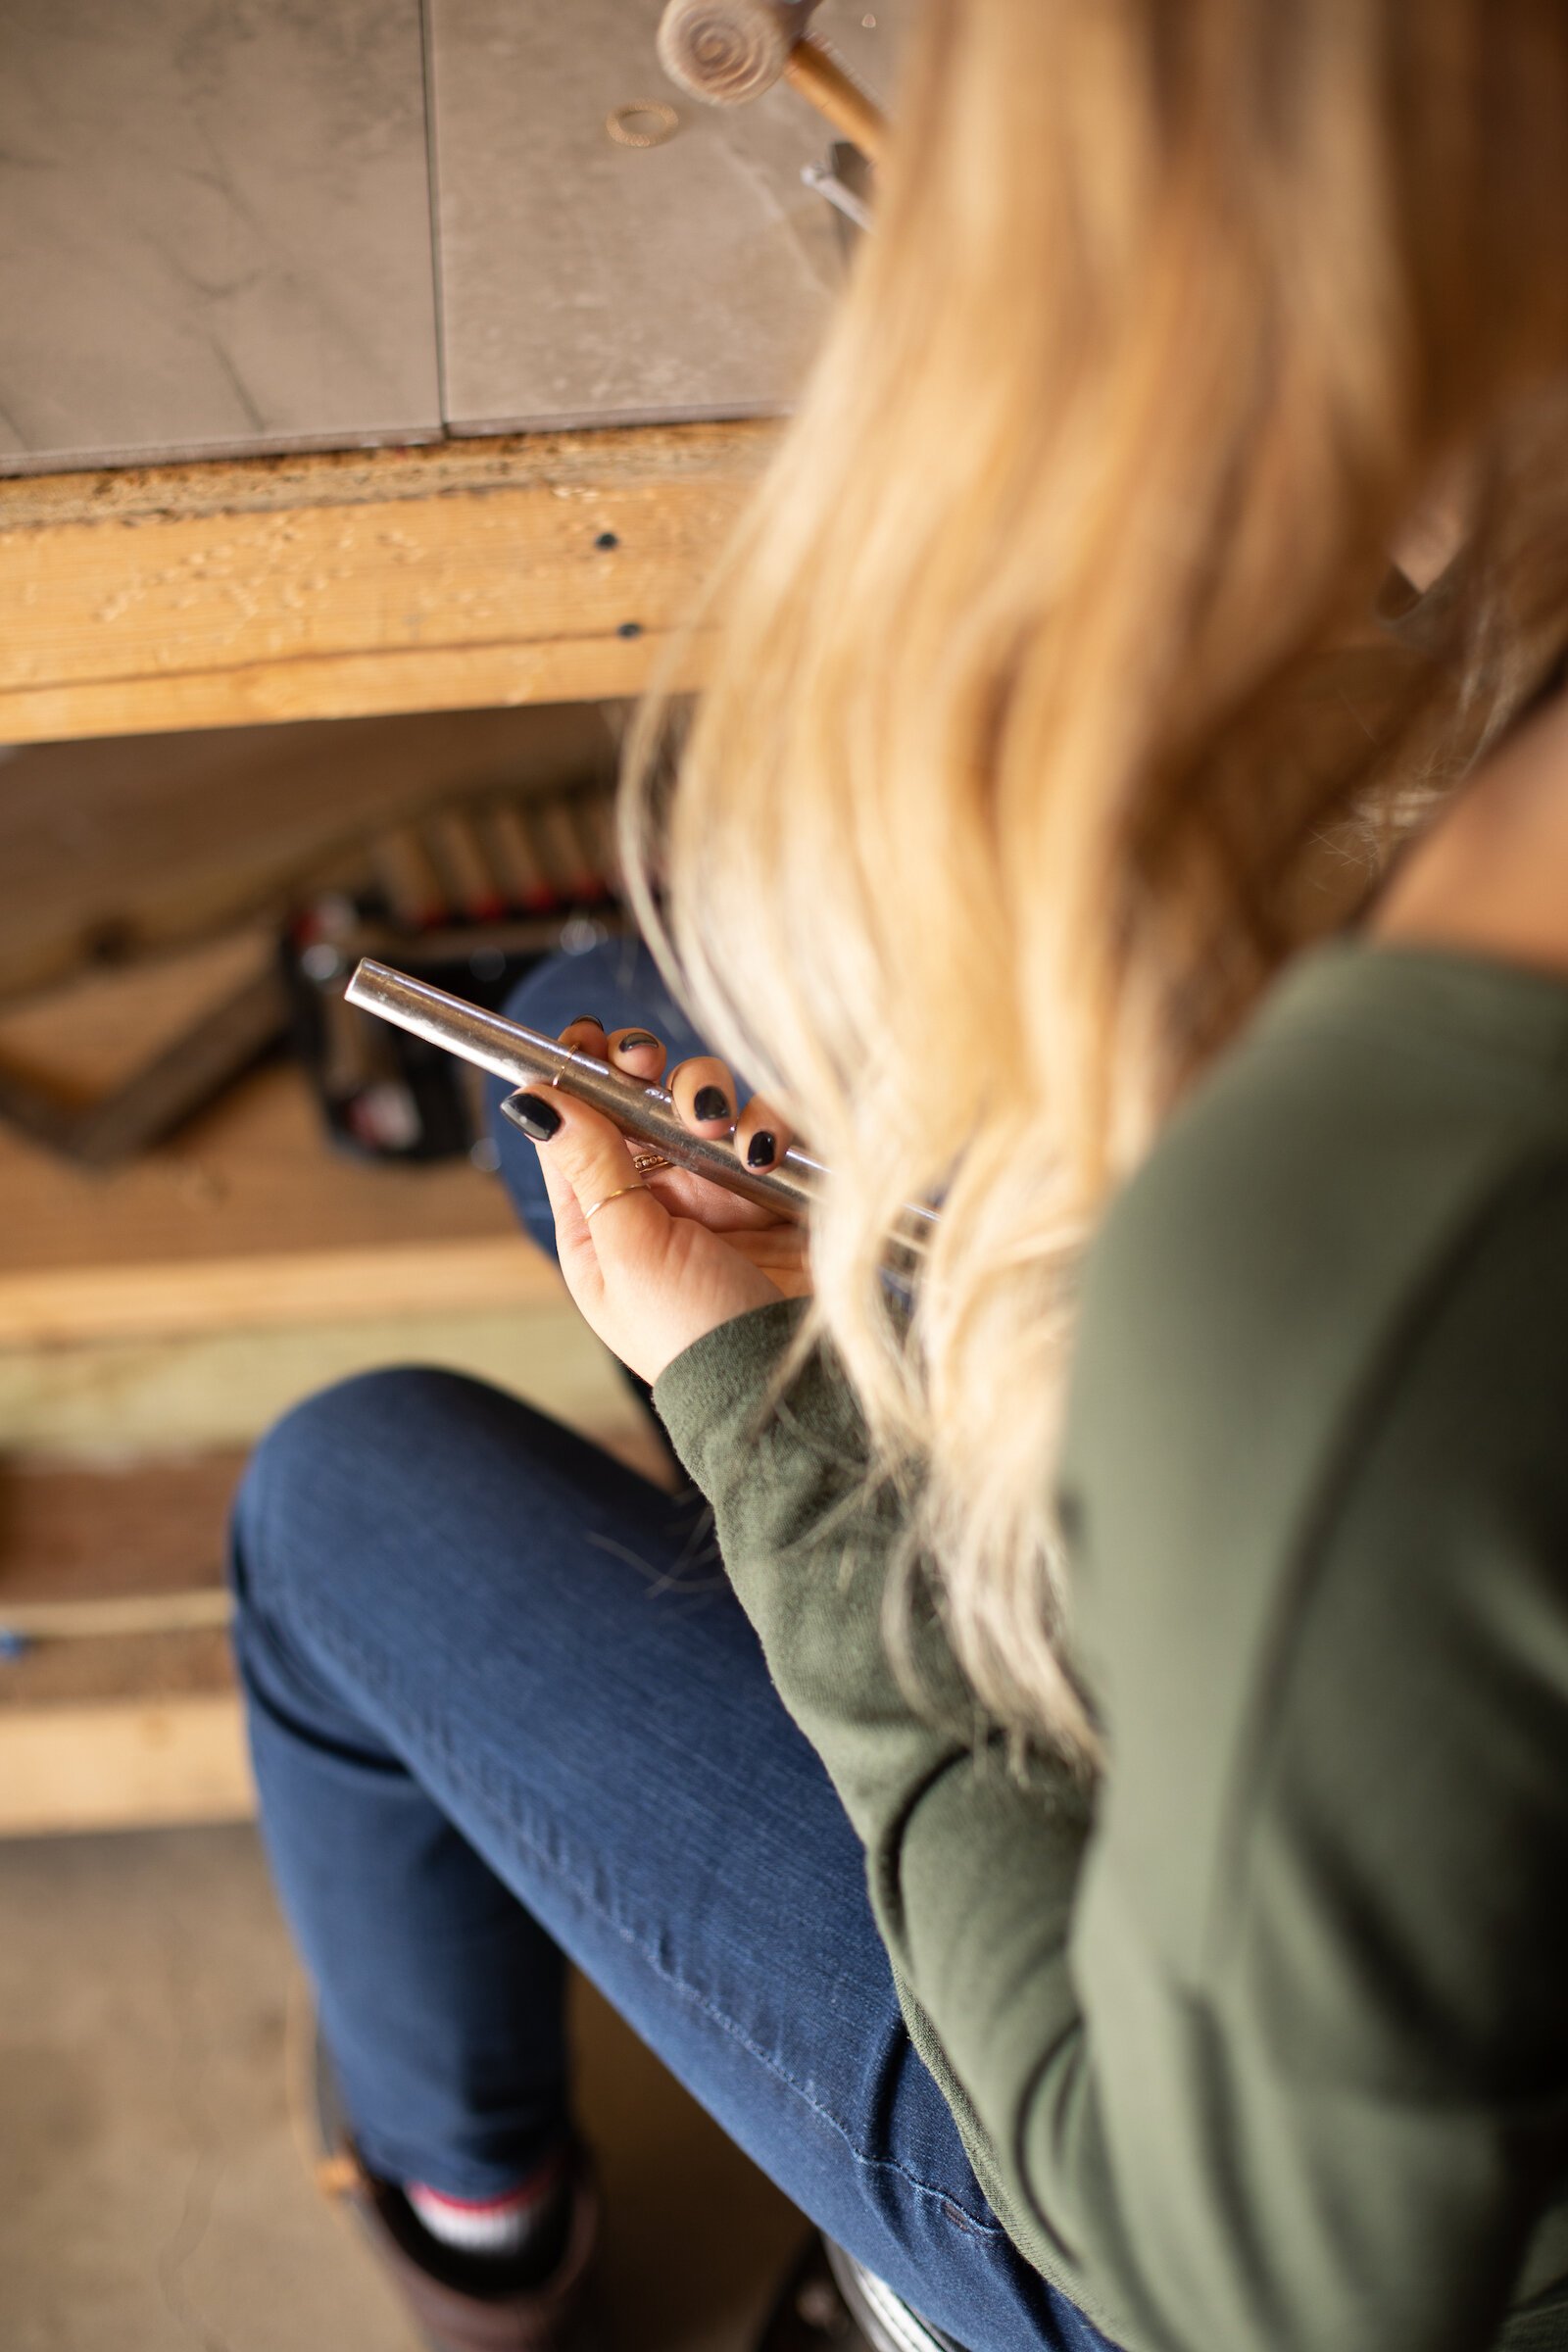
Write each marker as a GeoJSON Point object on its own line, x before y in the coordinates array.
{"type": "Point", "coordinates": [761, 1138]}
{"type": "Point", "coordinates": [704, 1091]}
{"type": "Point", "coordinates": [572, 1036]}
{"type": "Point", "coordinates": [637, 1051]}
{"type": "Point", "coordinates": [538, 1119]}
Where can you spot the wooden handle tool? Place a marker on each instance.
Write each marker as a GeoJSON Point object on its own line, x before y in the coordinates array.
{"type": "Point", "coordinates": [727, 51]}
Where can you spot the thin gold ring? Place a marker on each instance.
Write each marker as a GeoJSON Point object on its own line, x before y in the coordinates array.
{"type": "Point", "coordinates": [647, 1163]}
{"type": "Point", "coordinates": [608, 1197]}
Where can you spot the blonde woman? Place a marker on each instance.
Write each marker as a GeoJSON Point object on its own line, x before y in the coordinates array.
{"type": "Point", "coordinates": [1090, 1810]}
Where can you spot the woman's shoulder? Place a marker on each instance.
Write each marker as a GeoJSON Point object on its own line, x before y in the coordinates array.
{"type": "Point", "coordinates": [1268, 1267]}
{"type": "Point", "coordinates": [1380, 1094]}
{"type": "Point", "coordinates": [1342, 1271]}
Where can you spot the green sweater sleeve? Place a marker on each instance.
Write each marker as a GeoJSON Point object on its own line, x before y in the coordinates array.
{"type": "Point", "coordinates": [1269, 2049]}
{"type": "Point", "coordinates": [955, 1840]}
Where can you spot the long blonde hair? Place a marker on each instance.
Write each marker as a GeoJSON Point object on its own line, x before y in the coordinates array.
{"type": "Point", "coordinates": [1049, 711]}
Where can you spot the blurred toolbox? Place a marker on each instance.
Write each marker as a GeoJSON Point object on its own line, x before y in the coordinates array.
{"type": "Point", "coordinates": [469, 896]}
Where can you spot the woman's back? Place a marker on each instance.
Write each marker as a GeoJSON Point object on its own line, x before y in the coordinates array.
{"type": "Point", "coordinates": [1268, 2046]}
{"type": "Point", "coordinates": [1317, 1480]}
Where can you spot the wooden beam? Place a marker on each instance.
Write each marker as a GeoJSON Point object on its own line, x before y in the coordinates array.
{"type": "Point", "coordinates": [123, 1764]}
{"type": "Point", "coordinates": [223, 1387]}
{"type": "Point", "coordinates": [539, 568]}
{"type": "Point", "coordinates": [71, 1305]}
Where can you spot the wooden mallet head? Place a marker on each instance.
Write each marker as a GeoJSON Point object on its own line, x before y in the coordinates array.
{"type": "Point", "coordinates": [727, 51]}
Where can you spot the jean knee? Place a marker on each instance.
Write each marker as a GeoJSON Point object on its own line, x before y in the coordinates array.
{"type": "Point", "coordinates": [608, 978]}
{"type": "Point", "coordinates": [294, 1518]}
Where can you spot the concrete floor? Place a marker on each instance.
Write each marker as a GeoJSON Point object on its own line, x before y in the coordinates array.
{"type": "Point", "coordinates": [154, 2187]}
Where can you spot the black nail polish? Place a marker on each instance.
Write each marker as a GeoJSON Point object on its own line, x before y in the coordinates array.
{"type": "Point", "coordinates": [592, 1018]}
{"type": "Point", "coordinates": [537, 1119]}
{"type": "Point", "coordinates": [638, 1037]}
{"type": "Point", "coordinates": [710, 1104]}
{"type": "Point", "coordinates": [762, 1149]}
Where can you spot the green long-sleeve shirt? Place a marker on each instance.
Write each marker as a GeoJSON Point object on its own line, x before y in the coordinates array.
{"type": "Point", "coordinates": [1267, 2046]}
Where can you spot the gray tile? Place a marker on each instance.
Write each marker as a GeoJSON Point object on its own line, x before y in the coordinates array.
{"type": "Point", "coordinates": [214, 228]}
{"type": "Point", "coordinates": [585, 282]}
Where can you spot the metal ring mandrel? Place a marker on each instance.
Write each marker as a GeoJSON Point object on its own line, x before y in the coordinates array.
{"type": "Point", "coordinates": [644, 1113]}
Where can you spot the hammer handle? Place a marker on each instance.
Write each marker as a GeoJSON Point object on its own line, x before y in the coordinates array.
{"type": "Point", "coordinates": [816, 75]}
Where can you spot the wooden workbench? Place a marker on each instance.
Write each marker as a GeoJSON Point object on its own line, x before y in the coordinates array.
{"type": "Point", "coordinates": [179, 1303]}
{"type": "Point", "coordinates": [549, 567]}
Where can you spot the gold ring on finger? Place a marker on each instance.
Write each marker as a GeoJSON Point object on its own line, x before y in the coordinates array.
{"type": "Point", "coordinates": [647, 1163]}
{"type": "Point", "coordinates": [608, 1197]}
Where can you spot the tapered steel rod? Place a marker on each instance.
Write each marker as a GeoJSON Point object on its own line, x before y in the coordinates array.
{"type": "Point", "coordinates": [527, 1057]}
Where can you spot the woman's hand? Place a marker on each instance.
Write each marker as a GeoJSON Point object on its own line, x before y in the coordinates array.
{"type": "Point", "coordinates": [671, 1257]}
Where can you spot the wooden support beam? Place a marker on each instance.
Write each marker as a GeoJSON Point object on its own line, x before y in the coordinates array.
{"type": "Point", "coordinates": [69, 1305]}
{"type": "Point", "coordinates": [123, 1764]}
{"type": "Point", "coordinates": [539, 568]}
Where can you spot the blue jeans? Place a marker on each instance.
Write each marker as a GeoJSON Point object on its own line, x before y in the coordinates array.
{"type": "Point", "coordinates": [505, 1712]}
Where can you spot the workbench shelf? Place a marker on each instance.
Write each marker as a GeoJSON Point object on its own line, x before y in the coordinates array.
{"type": "Point", "coordinates": [153, 1321]}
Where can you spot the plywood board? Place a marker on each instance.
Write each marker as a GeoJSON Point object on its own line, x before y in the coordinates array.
{"type": "Point", "coordinates": [585, 281]}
